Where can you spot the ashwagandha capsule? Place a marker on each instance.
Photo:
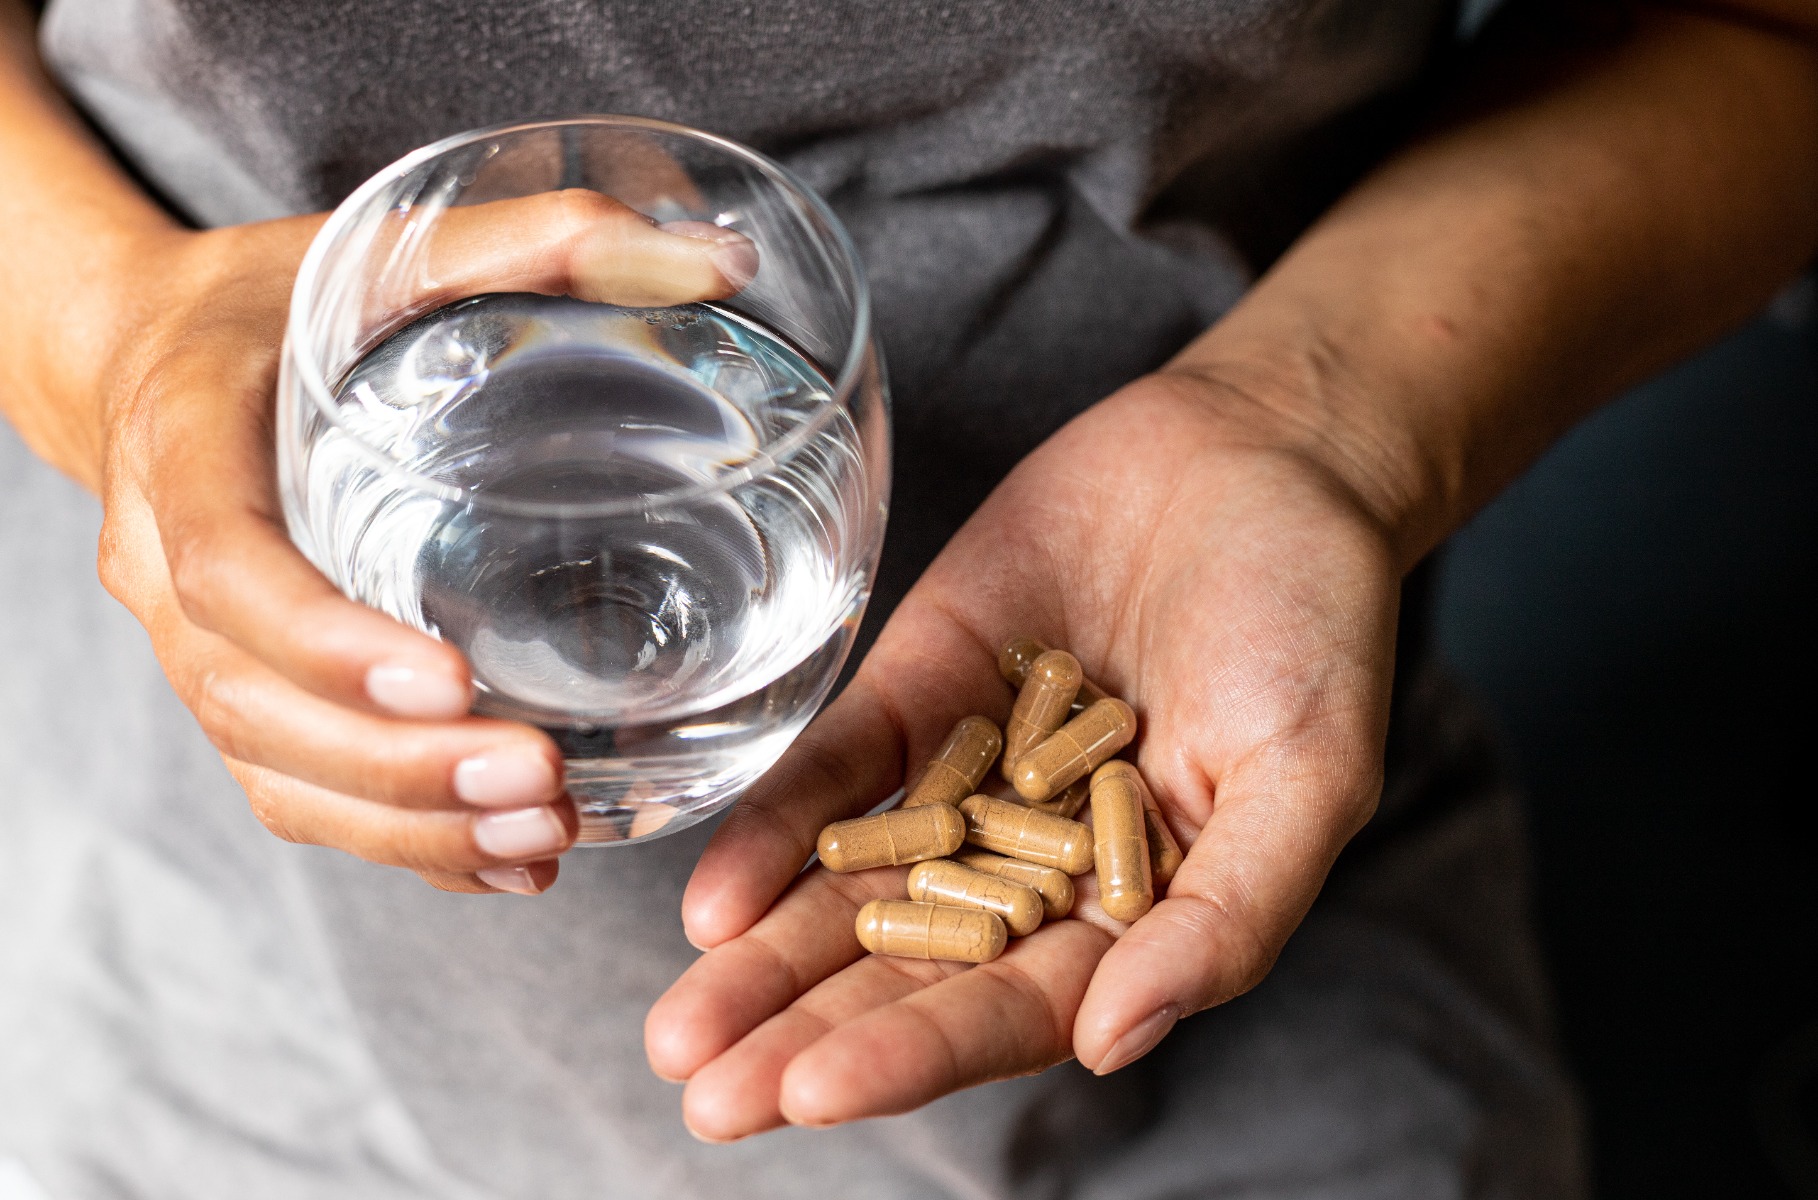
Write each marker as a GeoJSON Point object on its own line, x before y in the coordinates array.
{"type": "Point", "coordinates": [909, 929]}
{"type": "Point", "coordinates": [1009, 828]}
{"type": "Point", "coordinates": [1072, 798]}
{"type": "Point", "coordinates": [1076, 749]}
{"type": "Point", "coordinates": [1015, 659]}
{"type": "Point", "coordinates": [962, 761]}
{"type": "Point", "coordinates": [902, 835]}
{"type": "Point", "coordinates": [1165, 856]}
{"type": "Point", "coordinates": [1020, 653]}
{"type": "Point", "coordinates": [1055, 889]}
{"type": "Point", "coordinates": [942, 882]}
{"type": "Point", "coordinates": [1042, 705]}
{"type": "Point", "coordinates": [1120, 845]}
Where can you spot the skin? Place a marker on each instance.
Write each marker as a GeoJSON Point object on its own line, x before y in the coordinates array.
{"type": "Point", "coordinates": [1221, 543]}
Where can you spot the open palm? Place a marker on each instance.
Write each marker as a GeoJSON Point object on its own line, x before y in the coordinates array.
{"type": "Point", "coordinates": [1223, 584]}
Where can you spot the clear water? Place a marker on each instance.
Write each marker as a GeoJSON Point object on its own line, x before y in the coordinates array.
{"type": "Point", "coordinates": [673, 646]}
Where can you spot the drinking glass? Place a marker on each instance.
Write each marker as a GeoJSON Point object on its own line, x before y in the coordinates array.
{"type": "Point", "coordinates": [652, 531]}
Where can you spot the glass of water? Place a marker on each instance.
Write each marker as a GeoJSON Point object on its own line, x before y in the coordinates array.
{"type": "Point", "coordinates": [652, 531]}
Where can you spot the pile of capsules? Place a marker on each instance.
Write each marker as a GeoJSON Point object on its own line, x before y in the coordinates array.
{"type": "Point", "coordinates": [989, 868]}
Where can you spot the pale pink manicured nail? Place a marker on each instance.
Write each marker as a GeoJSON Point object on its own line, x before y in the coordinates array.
{"type": "Point", "coordinates": [423, 695]}
{"type": "Point", "coordinates": [509, 879]}
{"type": "Point", "coordinates": [733, 254]}
{"type": "Point", "coordinates": [521, 833]}
{"type": "Point", "coordinates": [505, 778]}
{"type": "Point", "coordinates": [1139, 1040]}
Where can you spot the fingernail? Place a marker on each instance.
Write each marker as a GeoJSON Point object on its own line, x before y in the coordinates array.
{"type": "Point", "coordinates": [698, 1136]}
{"type": "Point", "coordinates": [733, 254]}
{"type": "Point", "coordinates": [1139, 1040]}
{"type": "Point", "coordinates": [510, 879]}
{"type": "Point", "coordinates": [522, 833]}
{"type": "Point", "coordinates": [505, 778]}
{"type": "Point", "coordinates": [409, 691]}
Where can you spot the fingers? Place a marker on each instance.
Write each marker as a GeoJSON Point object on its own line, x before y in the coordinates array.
{"type": "Point", "coordinates": [253, 714]}
{"type": "Point", "coordinates": [1278, 824]}
{"type": "Point", "coordinates": [528, 879]}
{"type": "Point", "coordinates": [438, 842]}
{"type": "Point", "coordinates": [202, 455]}
{"type": "Point", "coordinates": [847, 761]}
{"type": "Point", "coordinates": [1009, 1017]}
{"type": "Point", "coordinates": [887, 1035]}
{"type": "Point", "coordinates": [923, 675]}
{"type": "Point", "coordinates": [202, 439]}
{"type": "Point", "coordinates": [574, 242]}
{"type": "Point", "coordinates": [740, 1093]}
{"type": "Point", "coordinates": [733, 988]}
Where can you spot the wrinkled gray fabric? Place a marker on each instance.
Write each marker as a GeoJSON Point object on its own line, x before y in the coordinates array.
{"type": "Point", "coordinates": [194, 1010]}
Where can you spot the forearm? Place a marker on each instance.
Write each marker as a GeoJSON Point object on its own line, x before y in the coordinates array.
{"type": "Point", "coordinates": [1489, 285]}
{"type": "Point", "coordinates": [74, 219]}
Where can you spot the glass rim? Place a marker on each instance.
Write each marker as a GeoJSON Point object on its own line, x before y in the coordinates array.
{"type": "Point", "coordinates": [771, 455]}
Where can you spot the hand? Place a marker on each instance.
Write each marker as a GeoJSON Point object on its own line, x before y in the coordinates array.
{"type": "Point", "coordinates": [1230, 587]}
{"type": "Point", "coordinates": [346, 728]}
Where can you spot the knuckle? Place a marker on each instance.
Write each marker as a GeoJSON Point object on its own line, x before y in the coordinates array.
{"type": "Point", "coordinates": [194, 574]}
{"type": "Point", "coordinates": [1210, 918]}
{"type": "Point", "coordinates": [424, 844]}
{"type": "Point", "coordinates": [578, 208]}
{"type": "Point", "coordinates": [216, 702]}
{"type": "Point", "coordinates": [112, 562]}
{"type": "Point", "coordinates": [137, 427]}
{"type": "Point", "coordinates": [271, 812]}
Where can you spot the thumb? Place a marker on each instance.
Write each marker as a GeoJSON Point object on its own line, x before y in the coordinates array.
{"type": "Point", "coordinates": [1245, 885]}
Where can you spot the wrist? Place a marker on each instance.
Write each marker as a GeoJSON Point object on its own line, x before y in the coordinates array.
{"type": "Point", "coordinates": [69, 336]}
{"type": "Point", "coordinates": [1305, 401]}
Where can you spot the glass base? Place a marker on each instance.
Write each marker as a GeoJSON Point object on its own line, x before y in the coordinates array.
{"type": "Point", "coordinates": [615, 824]}
{"type": "Point", "coordinates": [626, 800]}
{"type": "Point", "coordinates": [634, 783]}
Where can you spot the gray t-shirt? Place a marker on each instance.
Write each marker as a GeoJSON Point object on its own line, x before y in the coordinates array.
{"type": "Point", "coordinates": [1050, 198]}
{"type": "Point", "coordinates": [1005, 167]}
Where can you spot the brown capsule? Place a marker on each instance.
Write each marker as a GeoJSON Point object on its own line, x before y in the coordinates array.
{"type": "Point", "coordinates": [909, 929]}
{"type": "Point", "coordinates": [1055, 889]}
{"type": "Point", "coordinates": [1069, 802]}
{"type": "Point", "coordinates": [1015, 659]}
{"type": "Point", "coordinates": [1020, 653]}
{"type": "Point", "coordinates": [1020, 832]}
{"type": "Point", "coordinates": [1120, 846]}
{"type": "Point", "coordinates": [1165, 855]}
{"type": "Point", "coordinates": [902, 835]}
{"type": "Point", "coordinates": [1042, 705]}
{"type": "Point", "coordinates": [962, 761]}
{"type": "Point", "coordinates": [944, 882]}
{"type": "Point", "coordinates": [1076, 748]}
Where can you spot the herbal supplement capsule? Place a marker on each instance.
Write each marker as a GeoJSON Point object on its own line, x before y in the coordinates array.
{"type": "Point", "coordinates": [943, 882]}
{"type": "Point", "coordinates": [962, 761]}
{"type": "Point", "coordinates": [1037, 837]}
{"type": "Point", "coordinates": [1076, 748]}
{"type": "Point", "coordinates": [902, 835]}
{"type": "Point", "coordinates": [1020, 653]}
{"type": "Point", "coordinates": [1042, 704]}
{"type": "Point", "coordinates": [1069, 802]}
{"type": "Point", "coordinates": [1015, 659]}
{"type": "Point", "coordinates": [911, 930]}
{"type": "Point", "coordinates": [1120, 846]}
{"type": "Point", "coordinates": [1055, 889]}
{"type": "Point", "coordinates": [1165, 857]}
